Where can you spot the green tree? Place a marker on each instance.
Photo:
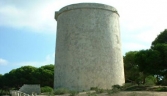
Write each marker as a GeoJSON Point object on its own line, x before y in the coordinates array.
{"type": "Point", "coordinates": [162, 49]}
{"type": "Point", "coordinates": [25, 75]}
{"type": "Point", "coordinates": [160, 45]}
{"type": "Point", "coordinates": [28, 75]}
{"type": "Point", "coordinates": [160, 39]}
{"type": "Point", "coordinates": [1, 84]}
{"type": "Point", "coordinates": [45, 74]}
{"type": "Point", "coordinates": [148, 62]}
{"type": "Point", "coordinates": [132, 73]}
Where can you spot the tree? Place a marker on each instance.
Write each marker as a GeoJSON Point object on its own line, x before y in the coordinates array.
{"type": "Point", "coordinates": [162, 48]}
{"type": "Point", "coordinates": [28, 75]}
{"type": "Point", "coordinates": [45, 74]}
{"type": "Point", "coordinates": [1, 84]}
{"type": "Point", "coordinates": [160, 45]}
{"type": "Point", "coordinates": [131, 68]}
{"type": "Point", "coordinates": [160, 39]}
{"type": "Point", "coordinates": [25, 75]}
{"type": "Point", "coordinates": [148, 62]}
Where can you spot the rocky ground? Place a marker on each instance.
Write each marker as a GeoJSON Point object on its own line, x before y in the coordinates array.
{"type": "Point", "coordinates": [122, 93]}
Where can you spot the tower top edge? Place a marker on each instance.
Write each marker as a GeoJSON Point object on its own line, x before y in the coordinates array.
{"type": "Point", "coordinates": [85, 6]}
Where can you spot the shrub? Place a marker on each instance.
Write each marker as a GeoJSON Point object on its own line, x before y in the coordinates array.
{"type": "Point", "coordinates": [127, 85]}
{"type": "Point", "coordinates": [116, 86]}
{"type": "Point", "coordinates": [98, 90]}
{"type": "Point", "coordinates": [91, 94]}
{"type": "Point", "coordinates": [93, 88]}
{"type": "Point", "coordinates": [161, 89]}
{"type": "Point", "coordinates": [115, 89]}
{"type": "Point", "coordinates": [150, 80]}
{"type": "Point", "coordinates": [73, 93]}
{"type": "Point", "coordinates": [61, 91]}
{"type": "Point", "coordinates": [46, 89]}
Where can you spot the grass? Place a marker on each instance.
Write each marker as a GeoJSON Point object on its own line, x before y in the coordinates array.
{"type": "Point", "coordinates": [4, 92]}
{"type": "Point", "coordinates": [46, 89]}
{"type": "Point", "coordinates": [126, 90]}
{"type": "Point", "coordinates": [61, 91]}
{"type": "Point", "coordinates": [73, 93]}
{"type": "Point", "coordinates": [91, 94]}
{"type": "Point", "coordinates": [161, 89]}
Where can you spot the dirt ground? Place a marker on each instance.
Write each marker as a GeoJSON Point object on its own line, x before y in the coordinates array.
{"type": "Point", "coordinates": [126, 93]}
{"type": "Point", "coordinates": [135, 93]}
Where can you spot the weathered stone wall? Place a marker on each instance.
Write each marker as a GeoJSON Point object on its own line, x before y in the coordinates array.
{"type": "Point", "coordinates": [88, 47]}
{"type": "Point", "coordinates": [29, 89]}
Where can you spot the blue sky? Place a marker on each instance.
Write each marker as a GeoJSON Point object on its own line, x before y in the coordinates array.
{"type": "Point", "coordinates": [28, 28]}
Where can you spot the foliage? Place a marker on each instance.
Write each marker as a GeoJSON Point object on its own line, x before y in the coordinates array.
{"type": "Point", "coordinates": [150, 80]}
{"type": "Point", "coordinates": [140, 64]}
{"type": "Point", "coordinates": [160, 45]}
{"type": "Point", "coordinates": [148, 61]}
{"type": "Point", "coordinates": [127, 85]}
{"type": "Point", "coordinates": [50, 94]}
{"type": "Point", "coordinates": [162, 49]}
{"type": "Point", "coordinates": [161, 38]}
{"type": "Point", "coordinates": [93, 88]}
{"type": "Point", "coordinates": [115, 89]}
{"type": "Point", "coordinates": [28, 75]}
{"type": "Point", "coordinates": [46, 89]}
{"type": "Point", "coordinates": [91, 94]}
{"type": "Point", "coordinates": [4, 92]}
{"type": "Point", "coordinates": [98, 90]}
{"type": "Point", "coordinates": [162, 89]}
{"type": "Point", "coordinates": [61, 91]}
{"type": "Point", "coordinates": [45, 75]}
{"type": "Point", "coordinates": [73, 93]}
{"type": "Point", "coordinates": [131, 68]}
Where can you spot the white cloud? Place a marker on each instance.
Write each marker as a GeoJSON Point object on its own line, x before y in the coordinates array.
{"type": "Point", "coordinates": [36, 18]}
{"type": "Point", "coordinates": [140, 21]}
{"type": "Point", "coordinates": [3, 61]}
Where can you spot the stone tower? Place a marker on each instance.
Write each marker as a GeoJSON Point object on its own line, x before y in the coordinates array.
{"type": "Point", "coordinates": [88, 47]}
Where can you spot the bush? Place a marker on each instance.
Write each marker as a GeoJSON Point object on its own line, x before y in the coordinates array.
{"type": "Point", "coordinates": [91, 94]}
{"type": "Point", "coordinates": [150, 80]}
{"type": "Point", "coordinates": [116, 86]}
{"type": "Point", "coordinates": [162, 89]}
{"type": "Point", "coordinates": [127, 85]}
{"type": "Point", "coordinates": [61, 91]}
{"type": "Point", "coordinates": [93, 88]}
{"type": "Point", "coordinates": [46, 89]}
{"type": "Point", "coordinates": [73, 93]}
{"type": "Point", "coordinates": [98, 90]}
{"type": "Point", "coordinates": [115, 89]}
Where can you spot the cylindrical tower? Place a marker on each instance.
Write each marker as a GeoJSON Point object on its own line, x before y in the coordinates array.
{"type": "Point", "coordinates": [88, 47]}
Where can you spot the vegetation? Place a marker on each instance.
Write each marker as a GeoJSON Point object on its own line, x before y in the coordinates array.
{"type": "Point", "coordinates": [61, 91]}
{"type": "Point", "coordinates": [143, 68]}
{"type": "Point", "coordinates": [148, 67]}
{"type": "Point", "coordinates": [27, 75]}
{"type": "Point", "coordinates": [91, 94]}
{"type": "Point", "coordinates": [73, 93]}
{"type": "Point", "coordinates": [46, 89]}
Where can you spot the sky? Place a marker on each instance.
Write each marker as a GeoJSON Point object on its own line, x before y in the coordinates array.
{"type": "Point", "coordinates": [28, 28]}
